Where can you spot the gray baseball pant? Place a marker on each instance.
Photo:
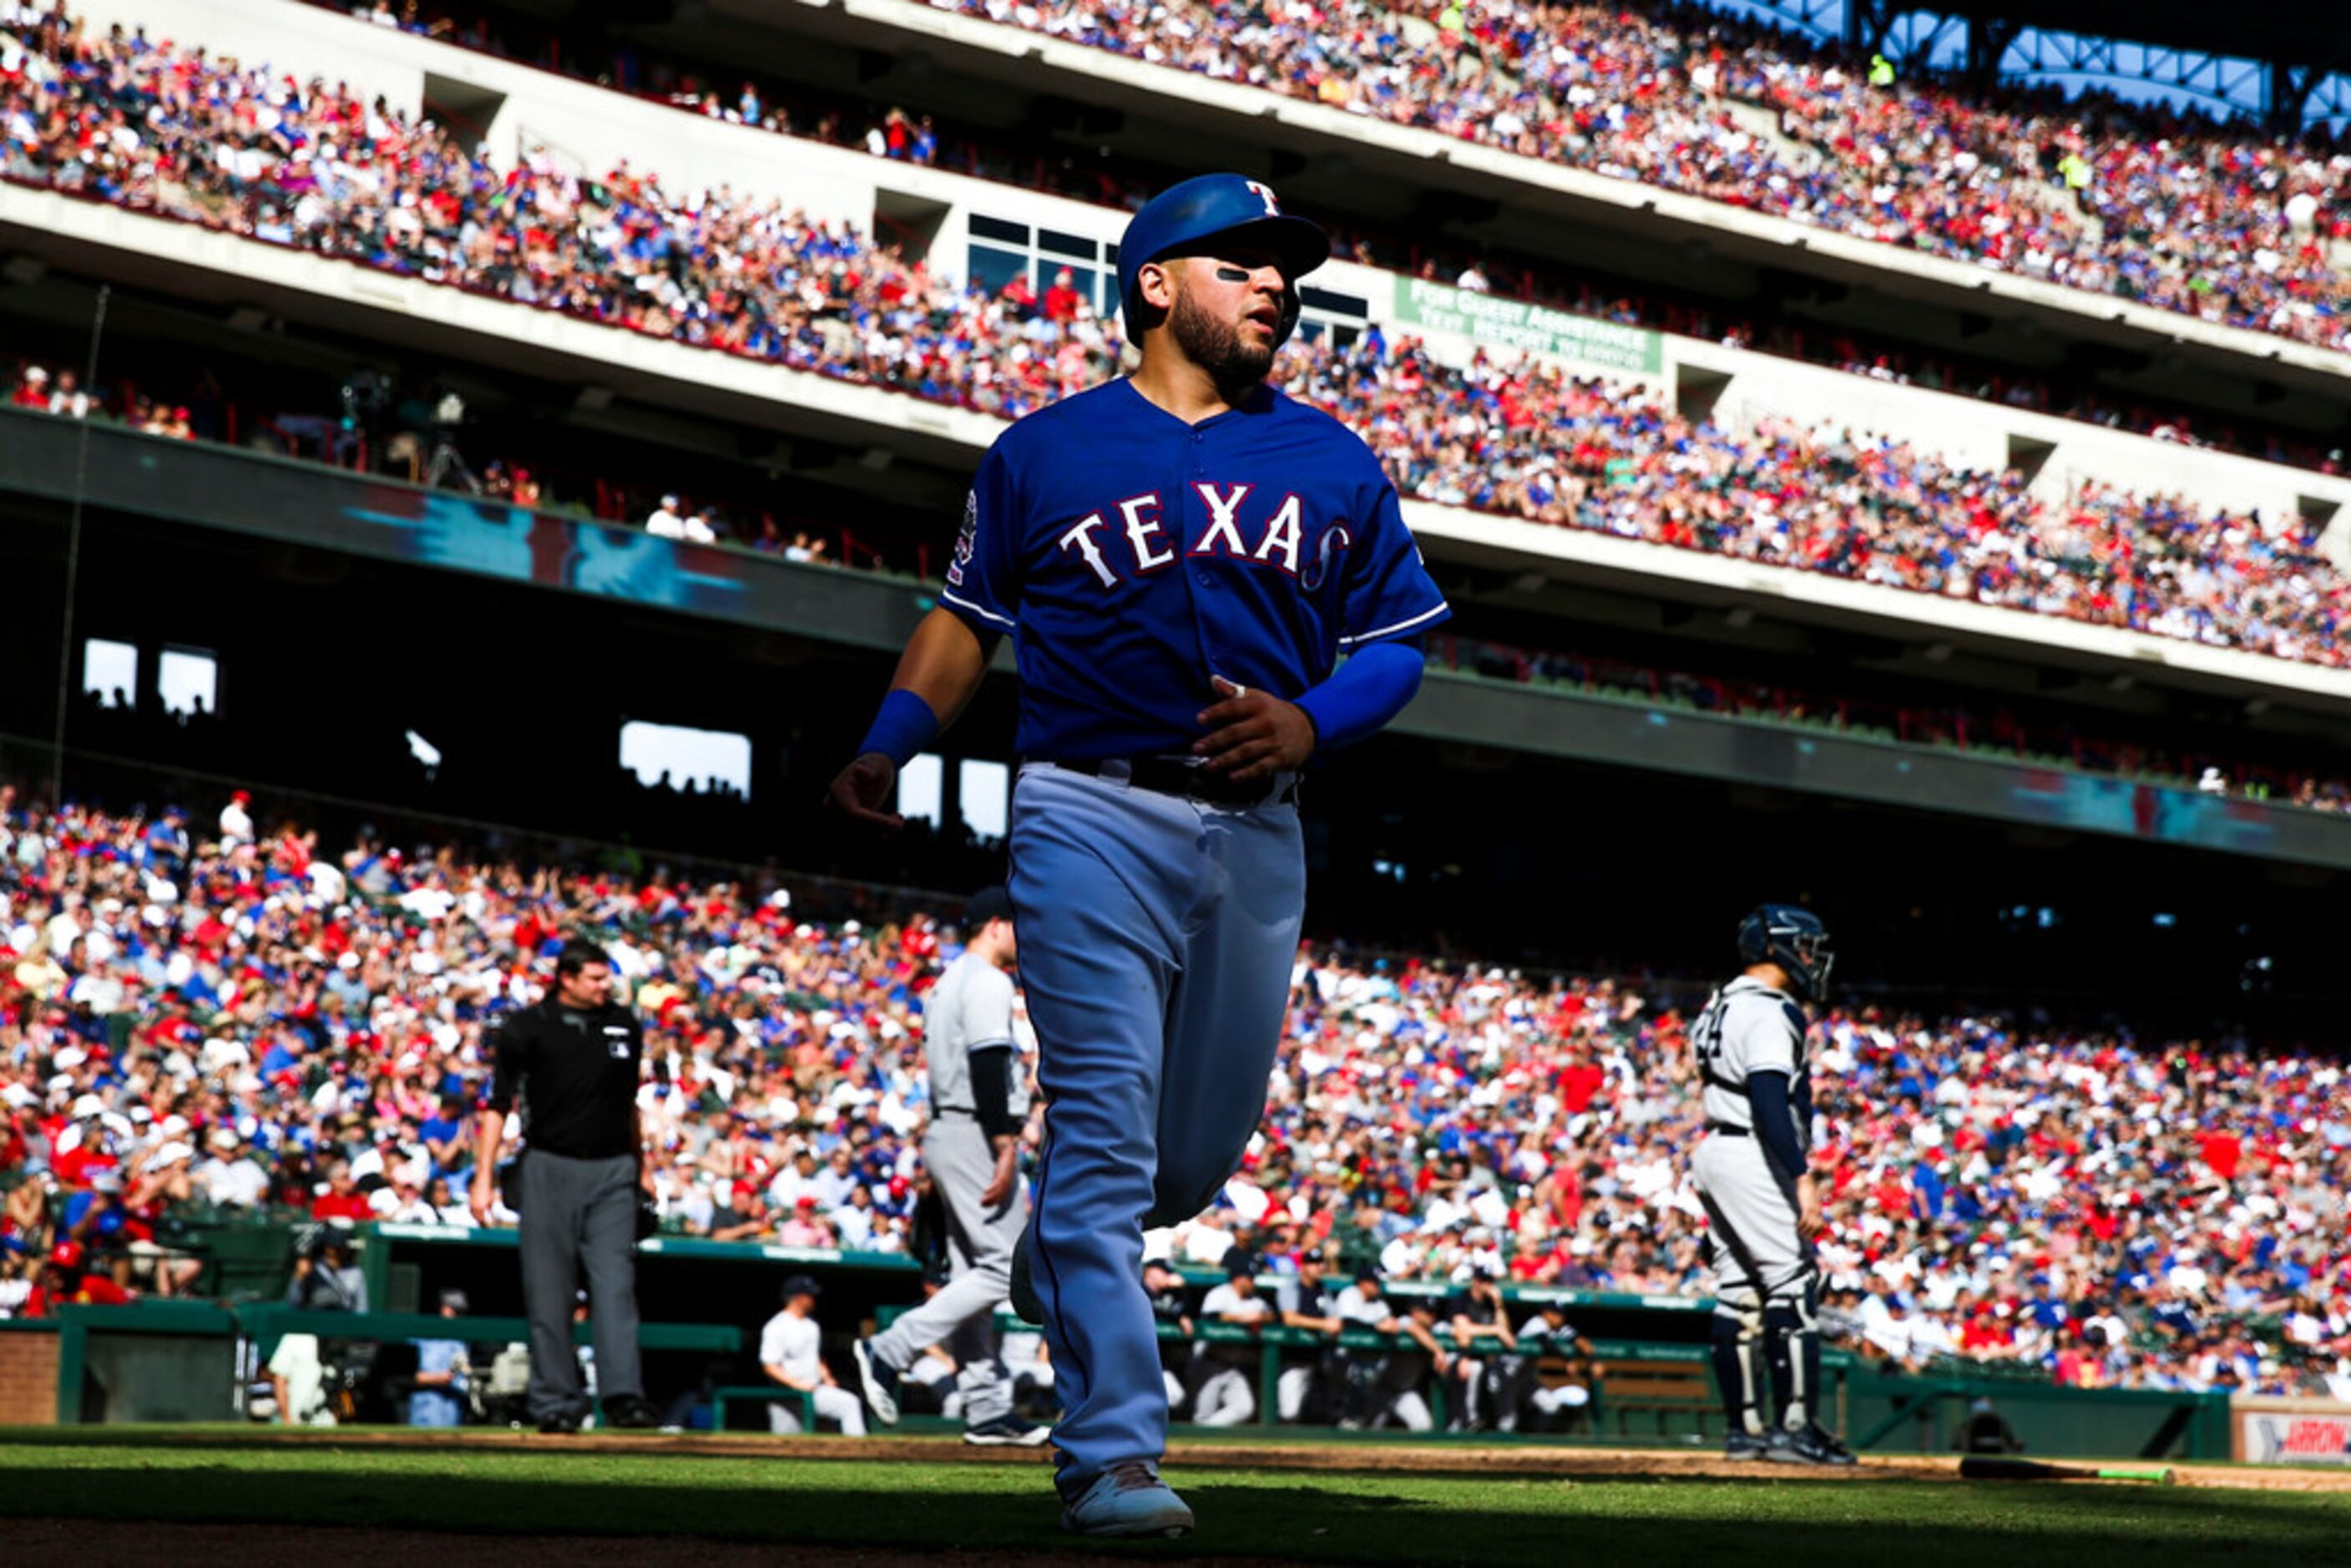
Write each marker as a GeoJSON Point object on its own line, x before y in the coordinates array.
{"type": "Point", "coordinates": [1763, 1283]}
{"type": "Point", "coordinates": [980, 1255]}
{"type": "Point", "coordinates": [1758, 1260]}
{"type": "Point", "coordinates": [579, 1217]}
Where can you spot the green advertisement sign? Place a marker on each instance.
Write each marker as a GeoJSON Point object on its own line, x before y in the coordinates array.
{"type": "Point", "coordinates": [1516, 324]}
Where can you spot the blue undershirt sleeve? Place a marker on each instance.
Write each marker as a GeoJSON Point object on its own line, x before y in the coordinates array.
{"type": "Point", "coordinates": [1775, 1122]}
{"type": "Point", "coordinates": [1364, 693]}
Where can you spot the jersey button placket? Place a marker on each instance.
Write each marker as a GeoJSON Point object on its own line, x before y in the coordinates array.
{"type": "Point", "coordinates": [1204, 574]}
{"type": "Point", "coordinates": [1201, 471]}
{"type": "Point", "coordinates": [1201, 576]}
{"type": "Point", "coordinates": [1205, 578]}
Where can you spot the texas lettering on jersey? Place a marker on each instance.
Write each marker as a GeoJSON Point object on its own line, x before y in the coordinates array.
{"type": "Point", "coordinates": [1138, 522]}
{"type": "Point", "coordinates": [1134, 557]}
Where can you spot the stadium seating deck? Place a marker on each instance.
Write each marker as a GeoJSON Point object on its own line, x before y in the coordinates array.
{"type": "Point", "coordinates": [1515, 437]}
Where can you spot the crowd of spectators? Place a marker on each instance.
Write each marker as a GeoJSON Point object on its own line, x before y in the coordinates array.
{"type": "Point", "coordinates": [2227, 223]}
{"type": "Point", "coordinates": [245, 1021]}
{"type": "Point", "coordinates": [68, 398]}
{"type": "Point", "coordinates": [403, 443]}
{"type": "Point", "coordinates": [890, 131]}
{"type": "Point", "coordinates": [1532, 440]}
{"type": "Point", "coordinates": [1995, 733]}
{"type": "Point", "coordinates": [213, 1014]}
{"type": "Point", "coordinates": [703, 521]}
{"type": "Point", "coordinates": [1912, 722]}
{"type": "Point", "coordinates": [127, 119]}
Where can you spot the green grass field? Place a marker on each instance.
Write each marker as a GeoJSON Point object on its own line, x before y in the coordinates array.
{"type": "Point", "coordinates": [220, 1476]}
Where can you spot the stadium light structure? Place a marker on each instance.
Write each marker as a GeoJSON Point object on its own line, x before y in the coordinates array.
{"type": "Point", "coordinates": [2283, 67]}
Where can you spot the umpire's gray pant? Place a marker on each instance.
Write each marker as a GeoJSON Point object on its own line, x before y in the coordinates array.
{"type": "Point", "coordinates": [979, 1253]}
{"type": "Point", "coordinates": [579, 1217]}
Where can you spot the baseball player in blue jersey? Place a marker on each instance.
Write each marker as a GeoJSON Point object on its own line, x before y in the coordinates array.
{"type": "Point", "coordinates": [1753, 1175]}
{"type": "Point", "coordinates": [1183, 558]}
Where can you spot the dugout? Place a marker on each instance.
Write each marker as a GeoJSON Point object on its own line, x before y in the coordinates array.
{"type": "Point", "coordinates": [704, 1302]}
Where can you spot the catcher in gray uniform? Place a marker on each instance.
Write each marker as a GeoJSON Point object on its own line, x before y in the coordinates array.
{"type": "Point", "coordinates": [1761, 1204]}
{"type": "Point", "coordinates": [978, 1103]}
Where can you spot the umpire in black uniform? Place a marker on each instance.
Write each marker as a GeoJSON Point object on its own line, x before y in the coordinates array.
{"type": "Point", "coordinates": [574, 1060]}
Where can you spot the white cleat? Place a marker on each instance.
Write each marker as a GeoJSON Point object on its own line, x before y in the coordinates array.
{"type": "Point", "coordinates": [1007, 1432]}
{"type": "Point", "coordinates": [1128, 1499]}
{"type": "Point", "coordinates": [879, 1379]}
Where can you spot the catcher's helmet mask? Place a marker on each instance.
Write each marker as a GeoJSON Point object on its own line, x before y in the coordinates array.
{"type": "Point", "coordinates": [1796, 939]}
{"type": "Point", "coordinates": [1198, 216]}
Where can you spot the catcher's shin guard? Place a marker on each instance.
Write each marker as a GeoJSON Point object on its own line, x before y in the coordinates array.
{"type": "Point", "coordinates": [1795, 1349]}
{"type": "Point", "coordinates": [1736, 1344]}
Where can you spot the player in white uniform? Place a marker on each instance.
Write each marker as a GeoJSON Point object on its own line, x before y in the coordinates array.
{"type": "Point", "coordinates": [790, 1353]}
{"type": "Point", "coordinates": [1762, 1203]}
{"type": "Point", "coordinates": [979, 1101]}
{"type": "Point", "coordinates": [1228, 1390]}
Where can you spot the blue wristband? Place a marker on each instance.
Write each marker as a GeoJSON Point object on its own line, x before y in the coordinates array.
{"type": "Point", "coordinates": [905, 727]}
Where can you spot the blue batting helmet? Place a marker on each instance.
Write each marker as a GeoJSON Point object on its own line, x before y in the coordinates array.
{"type": "Point", "coordinates": [1793, 938]}
{"type": "Point", "coordinates": [1182, 215]}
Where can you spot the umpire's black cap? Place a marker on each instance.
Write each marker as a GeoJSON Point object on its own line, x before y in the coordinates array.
{"type": "Point", "coordinates": [988, 903]}
{"type": "Point", "coordinates": [802, 1285]}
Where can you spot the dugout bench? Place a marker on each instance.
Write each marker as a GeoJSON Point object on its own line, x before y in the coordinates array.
{"type": "Point", "coordinates": [170, 1361]}
{"type": "Point", "coordinates": [1665, 1381]}
{"type": "Point", "coordinates": [1667, 1390]}
{"type": "Point", "coordinates": [761, 1394]}
{"type": "Point", "coordinates": [262, 1326]}
{"type": "Point", "coordinates": [1672, 1384]}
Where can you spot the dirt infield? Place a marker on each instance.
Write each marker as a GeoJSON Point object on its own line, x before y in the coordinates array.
{"type": "Point", "coordinates": [1525, 1460]}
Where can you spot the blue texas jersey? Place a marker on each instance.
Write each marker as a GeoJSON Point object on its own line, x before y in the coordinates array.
{"type": "Point", "coordinates": [1134, 556]}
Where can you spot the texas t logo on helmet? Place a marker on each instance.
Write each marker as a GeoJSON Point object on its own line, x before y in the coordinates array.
{"type": "Point", "coordinates": [1220, 206]}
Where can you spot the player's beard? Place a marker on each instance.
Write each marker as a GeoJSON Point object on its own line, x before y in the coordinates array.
{"type": "Point", "coordinates": [1217, 347]}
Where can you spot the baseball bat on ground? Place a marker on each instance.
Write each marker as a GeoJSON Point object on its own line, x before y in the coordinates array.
{"type": "Point", "coordinates": [1978, 1468]}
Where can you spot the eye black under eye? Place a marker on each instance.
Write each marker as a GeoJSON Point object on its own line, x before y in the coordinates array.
{"type": "Point", "coordinates": [1230, 274]}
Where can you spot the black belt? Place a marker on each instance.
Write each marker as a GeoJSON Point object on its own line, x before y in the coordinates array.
{"type": "Point", "coordinates": [1174, 776]}
{"type": "Point", "coordinates": [1728, 1131]}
